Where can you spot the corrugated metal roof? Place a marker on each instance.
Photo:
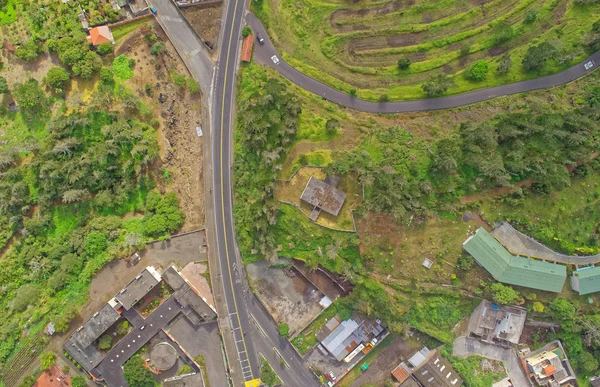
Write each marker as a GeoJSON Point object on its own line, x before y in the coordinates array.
{"type": "Point", "coordinates": [334, 342]}
{"type": "Point", "coordinates": [588, 279]}
{"type": "Point", "coordinates": [514, 270]}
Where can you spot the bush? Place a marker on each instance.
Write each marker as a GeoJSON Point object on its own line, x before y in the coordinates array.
{"type": "Point", "coordinates": [284, 330]}
{"type": "Point", "coordinates": [123, 328]}
{"type": "Point", "coordinates": [531, 16]}
{"type": "Point", "coordinates": [437, 85]}
{"type": "Point", "coordinates": [105, 342]}
{"type": "Point", "coordinates": [465, 262]}
{"type": "Point", "coordinates": [384, 98]}
{"type": "Point", "coordinates": [105, 48]}
{"type": "Point", "coordinates": [478, 71]}
{"type": "Point", "coordinates": [505, 64]}
{"type": "Point", "coordinates": [538, 307]}
{"type": "Point", "coordinates": [502, 33]}
{"type": "Point", "coordinates": [57, 77]}
{"type": "Point", "coordinates": [157, 48]}
{"type": "Point", "coordinates": [179, 80]}
{"type": "Point", "coordinates": [193, 86]}
{"type": "Point", "coordinates": [332, 125]}
{"type": "Point", "coordinates": [3, 86]}
{"type": "Point", "coordinates": [122, 67]}
{"type": "Point", "coordinates": [246, 31]}
{"type": "Point", "coordinates": [536, 56]}
{"type": "Point", "coordinates": [503, 295]}
{"type": "Point", "coordinates": [404, 63]}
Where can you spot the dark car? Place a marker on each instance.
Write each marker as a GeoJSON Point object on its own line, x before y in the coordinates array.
{"type": "Point", "coordinates": [260, 39]}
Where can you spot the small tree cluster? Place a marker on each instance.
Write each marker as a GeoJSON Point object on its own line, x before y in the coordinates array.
{"type": "Point", "coordinates": [477, 71]}
{"type": "Point", "coordinates": [438, 85]}
{"type": "Point", "coordinates": [162, 214]}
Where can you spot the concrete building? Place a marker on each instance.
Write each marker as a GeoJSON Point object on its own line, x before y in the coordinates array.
{"type": "Point", "coordinates": [511, 269]}
{"type": "Point", "coordinates": [586, 280]}
{"type": "Point", "coordinates": [323, 196]}
{"type": "Point", "coordinates": [497, 325]}
{"type": "Point", "coordinates": [550, 367]}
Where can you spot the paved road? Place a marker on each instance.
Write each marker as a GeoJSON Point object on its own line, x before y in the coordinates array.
{"type": "Point", "coordinates": [263, 54]}
{"type": "Point", "coordinates": [232, 269]}
{"type": "Point", "coordinates": [467, 346]}
{"type": "Point", "coordinates": [186, 41]}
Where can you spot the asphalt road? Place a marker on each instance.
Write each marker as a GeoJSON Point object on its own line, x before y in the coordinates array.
{"type": "Point", "coordinates": [264, 52]}
{"type": "Point", "coordinates": [231, 267]}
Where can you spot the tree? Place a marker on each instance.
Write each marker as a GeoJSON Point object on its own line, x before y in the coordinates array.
{"type": "Point", "coordinates": [47, 360]}
{"type": "Point", "coordinates": [592, 40]}
{"type": "Point", "coordinates": [563, 309]}
{"type": "Point", "coordinates": [478, 71]}
{"type": "Point", "coordinates": [438, 85]}
{"type": "Point", "coordinates": [107, 75]}
{"type": "Point", "coordinates": [136, 374]}
{"type": "Point", "coordinates": [27, 294]}
{"type": "Point", "coordinates": [536, 56]}
{"type": "Point", "coordinates": [531, 16]}
{"type": "Point", "coordinates": [502, 33]}
{"type": "Point", "coordinates": [28, 51]}
{"type": "Point", "coordinates": [538, 307]}
{"type": "Point", "coordinates": [246, 31]}
{"type": "Point", "coordinates": [157, 48]}
{"type": "Point", "coordinates": [505, 64]}
{"type": "Point", "coordinates": [123, 328]}
{"type": "Point", "coordinates": [465, 262]}
{"type": "Point", "coordinates": [105, 342]}
{"type": "Point", "coordinates": [588, 362]}
{"type": "Point", "coordinates": [384, 98]}
{"type": "Point", "coordinates": [3, 86]}
{"type": "Point", "coordinates": [29, 95]}
{"type": "Point", "coordinates": [284, 330]}
{"type": "Point", "coordinates": [105, 48]}
{"type": "Point", "coordinates": [404, 63]}
{"type": "Point", "coordinates": [57, 77]}
{"type": "Point", "coordinates": [503, 295]}
{"type": "Point", "coordinates": [78, 381]}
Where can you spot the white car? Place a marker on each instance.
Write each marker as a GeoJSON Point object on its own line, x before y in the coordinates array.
{"type": "Point", "coordinates": [589, 65]}
{"type": "Point", "coordinates": [275, 59]}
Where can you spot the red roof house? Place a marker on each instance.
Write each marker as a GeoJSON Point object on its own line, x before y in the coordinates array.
{"type": "Point", "coordinates": [247, 48]}
{"type": "Point", "coordinates": [53, 377]}
{"type": "Point", "coordinates": [99, 35]}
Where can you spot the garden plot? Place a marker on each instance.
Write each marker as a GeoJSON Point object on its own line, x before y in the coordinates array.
{"type": "Point", "coordinates": [287, 295]}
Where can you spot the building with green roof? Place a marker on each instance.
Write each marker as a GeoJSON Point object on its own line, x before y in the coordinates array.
{"type": "Point", "coordinates": [586, 280]}
{"type": "Point", "coordinates": [511, 269]}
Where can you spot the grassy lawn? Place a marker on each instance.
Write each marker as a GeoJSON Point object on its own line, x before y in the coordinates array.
{"type": "Point", "coordinates": [124, 29]}
{"type": "Point", "coordinates": [358, 45]}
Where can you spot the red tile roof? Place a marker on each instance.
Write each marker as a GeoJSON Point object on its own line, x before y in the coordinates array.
{"type": "Point", "coordinates": [99, 35]}
{"type": "Point", "coordinates": [400, 373]}
{"type": "Point", "coordinates": [247, 48]}
{"type": "Point", "coordinates": [53, 377]}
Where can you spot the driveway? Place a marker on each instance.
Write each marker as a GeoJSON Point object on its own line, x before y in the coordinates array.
{"type": "Point", "coordinates": [467, 346]}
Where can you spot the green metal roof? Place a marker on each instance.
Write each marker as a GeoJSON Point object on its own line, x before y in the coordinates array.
{"type": "Point", "coordinates": [588, 280]}
{"type": "Point", "coordinates": [511, 269]}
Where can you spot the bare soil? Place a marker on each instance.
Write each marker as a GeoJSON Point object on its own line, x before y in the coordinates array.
{"type": "Point", "coordinates": [179, 113]}
{"type": "Point", "coordinates": [206, 22]}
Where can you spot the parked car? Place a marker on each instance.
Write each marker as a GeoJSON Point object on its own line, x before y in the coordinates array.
{"type": "Point", "coordinates": [260, 39]}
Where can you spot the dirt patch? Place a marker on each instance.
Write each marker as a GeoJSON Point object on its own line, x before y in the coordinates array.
{"type": "Point", "coordinates": [324, 281]}
{"type": "Point", "coordinates": [206, 22]}
{"type": "Point", "coordinates": [18, 71]}
{"type": "Point", "coordinates": [179, 113]}
{"type": "Point", "coordinates": [288, 296]}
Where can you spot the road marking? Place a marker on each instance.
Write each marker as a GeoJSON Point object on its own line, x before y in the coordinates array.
{"type": "Point", "coordinates": [281, 357]}
{"type": "Point", "coordinates": [258, 325]}
{"type": "Point", "coordinates": [235, 10]}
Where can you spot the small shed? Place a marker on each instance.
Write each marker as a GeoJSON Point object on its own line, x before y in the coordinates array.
{"type": "Point", "coordinates": [99, 35]}
{"type": "Point", "coordinates": [323, 196]}
{"type": "Point", "coordinates": [247, 45]}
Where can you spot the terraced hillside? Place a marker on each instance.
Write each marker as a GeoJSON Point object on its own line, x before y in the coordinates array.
{"type": "Point", "coordinates": [356, 44]}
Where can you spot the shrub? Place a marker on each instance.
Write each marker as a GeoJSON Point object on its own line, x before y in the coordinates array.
{"type": "Point", "coordinates": [332, 125]}
{"type": "Point", "coordinates": [531, 16]}
{"type": "Point", "coordinates": [105, 342]}
{"type": "Point", "coordinates": [502, 33]}
{"type": "Point", "coordinates": [157, 48]}
{"type": "Point", "coordinates": [404, 63]}
{"type": "Point", "coordinates": [105, 48]}
{"type": "Point", "coordinates": [538, 307]}
{"type": "Point", "coordinates": [478, 71]}
{"type": "Point", "coordinates": [246, 31]}
{"type": "Point", "coordinates": [505, 64]}
{"type": "Point", "coordinates": [464, 50]}
{"type": "Point", "coordinates": [3, 86]}
{"type": "Point", "coordinates": [384, 98]}
{"type": "Point", "coordinates": [438, 85]}
{"type": "Point", "coordinates": [503, 295]}
{"type": "Point", "coordinates": [536, 56]}
{"type": "Point", "coordinates": [57, 77]}
{"type": "Point", "coordinates": [352, 91]}
{"type": "Point", "coordinates": [122, 67]}
{"type": "Point", "coordinates": [179, 80]}
{"type": "Point", "coordinates": [465, 262]}
{"type": "Point", "coordinates": [193, 86]}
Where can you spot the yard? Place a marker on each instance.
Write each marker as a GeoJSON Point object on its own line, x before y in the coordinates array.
{"type": "Point", "coordinates": [358, 45]}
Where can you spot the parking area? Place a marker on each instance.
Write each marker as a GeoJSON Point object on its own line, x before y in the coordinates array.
{"type": "Point", "coordinates": [288, 296]}
{"type": "Point", "coordinates": [181, 249]}
{"type": "Point", "coordinates": [201, 340]}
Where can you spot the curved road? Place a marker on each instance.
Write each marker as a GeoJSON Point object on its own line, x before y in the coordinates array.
{"type": "Point", "coordinates": [264, 52]}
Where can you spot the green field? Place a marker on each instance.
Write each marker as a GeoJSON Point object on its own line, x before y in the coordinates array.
{"type": "Point", "coordinates": [357, 45]}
